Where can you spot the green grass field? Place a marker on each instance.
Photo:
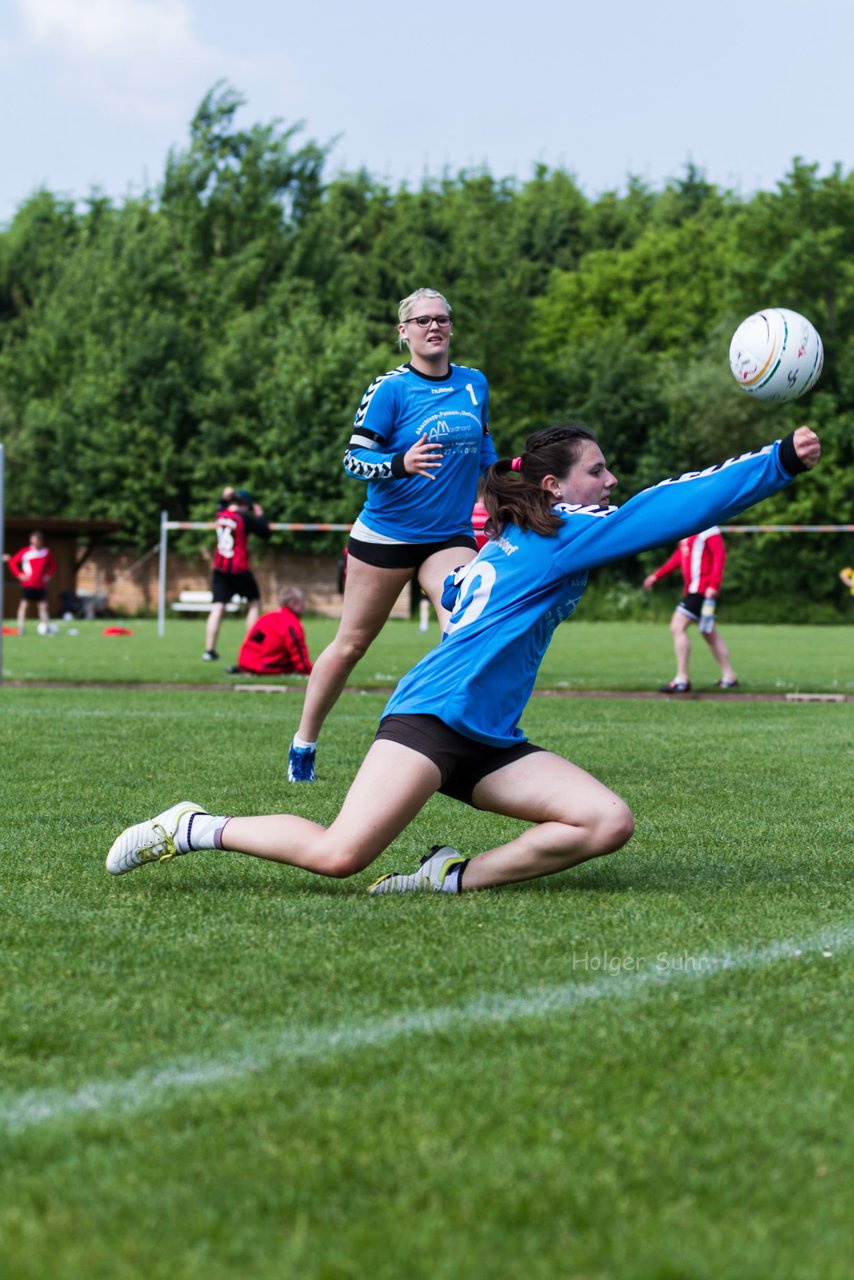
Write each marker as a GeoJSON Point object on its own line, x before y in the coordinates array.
{"type": "Point", "coordinates": [221, 1068]}
{"type": "Point", "coordinates": [583, 655]}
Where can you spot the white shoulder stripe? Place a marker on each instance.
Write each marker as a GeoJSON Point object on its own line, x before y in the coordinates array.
{"type": "Point", "coordinates": [575, 509]}
{"type": "Point", "coordinates": [371, 391]}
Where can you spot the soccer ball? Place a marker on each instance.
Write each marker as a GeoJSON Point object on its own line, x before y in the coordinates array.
{"type": "Point", "coordinates": [776, 355]}
{"type": "Point", "coordinates": [47, 629]}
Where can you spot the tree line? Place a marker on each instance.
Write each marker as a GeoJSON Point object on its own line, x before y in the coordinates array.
{"type": "Point", "coordinates": [223, 327]}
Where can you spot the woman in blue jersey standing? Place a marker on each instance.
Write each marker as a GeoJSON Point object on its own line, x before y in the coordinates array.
{"type": "Point", "coordinates": [420, 443]}
{"type": "Point", "coordinates": [452, 724]}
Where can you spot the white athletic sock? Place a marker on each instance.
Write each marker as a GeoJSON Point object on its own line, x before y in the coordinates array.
{"type": "Point", "coordinates": [302, 745]}
{"type": "Point", "coordinates": [199, 831]}
{"type": "Point", "coordinates": [454, 879]}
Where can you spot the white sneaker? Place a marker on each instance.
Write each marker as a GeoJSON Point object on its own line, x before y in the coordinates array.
{"type": "Point", "coordinates": [440, 872]}
{"type": "Point", "coordinates": [152, 841]}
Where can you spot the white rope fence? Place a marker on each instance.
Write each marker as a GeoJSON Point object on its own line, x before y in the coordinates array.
{"type": "Point", "coordinates": [166, 525]}
{"type": "Point", "coordinates": [787, 528]}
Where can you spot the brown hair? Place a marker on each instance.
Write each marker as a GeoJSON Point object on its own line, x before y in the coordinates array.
{"type": "Point", "coordinates": [513, 491]}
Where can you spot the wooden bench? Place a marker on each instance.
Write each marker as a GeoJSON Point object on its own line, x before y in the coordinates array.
{"type": "Point", "coordinates": [201, 601]}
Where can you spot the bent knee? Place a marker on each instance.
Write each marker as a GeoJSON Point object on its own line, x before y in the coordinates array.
{"type": "Point", "coordinates": [341, 861]}
{"type": "Point", "coordinates": [616, 827]}
{"type": "Point", "coordinates": [351, 648]}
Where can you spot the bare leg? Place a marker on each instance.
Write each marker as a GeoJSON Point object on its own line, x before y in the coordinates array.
{"type": "Point", "coordinates": [212, 630]}
{"type": "Point", "coordinates": [679, 625]}
{"type": "Point", "coordinates": [22, 614]}
{"type": "Point", "coordinates": [715, 642]}
{"type": "Point", "coordinates": [577, 818]}
{"type": "Point", "coordinates": [252, 615]}
{"type": "Point", "coordinates": [369, 596]}
{"type": "Point", "coordinates": [391, 787]}
{"type": "Point", "coordinates": [435, 570]}
{"type": "Point", "coordinates": [44, 615]}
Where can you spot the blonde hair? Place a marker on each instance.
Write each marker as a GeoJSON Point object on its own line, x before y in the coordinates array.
{"type": "Point", "coordinates": [407, 305]}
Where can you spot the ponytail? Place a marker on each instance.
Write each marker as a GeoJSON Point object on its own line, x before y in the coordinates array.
{"type": "Point", "coordinates": [513, 490]}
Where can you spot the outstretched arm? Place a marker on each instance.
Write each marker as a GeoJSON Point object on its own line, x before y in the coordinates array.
{"type": "Point", "coordinates": [685, 504]}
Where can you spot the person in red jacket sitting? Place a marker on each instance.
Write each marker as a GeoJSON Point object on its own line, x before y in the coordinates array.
{"type": "Point", "coordinates": [276, 644]}
{"type": "Point", "coordinates": [701, 559]}
{"type": "Point", "coordinates": [33, 566]}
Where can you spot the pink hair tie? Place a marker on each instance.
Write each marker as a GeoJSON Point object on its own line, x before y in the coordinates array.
{"type": "Point", "coordinates": [516, 464]}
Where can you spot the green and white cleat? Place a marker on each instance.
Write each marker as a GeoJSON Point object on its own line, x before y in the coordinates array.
{"type": "Point", "coordinates": [440, 872]}
{"type": "Point", "coordinates": [152, 841]}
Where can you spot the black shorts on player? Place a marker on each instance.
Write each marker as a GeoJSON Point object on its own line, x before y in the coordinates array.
{"type": "Point", "coordinates": [462, 761]}
{"type": "Point", "coordinates": [403, 555]}
{"type": "Point", "coordinates": [691, 605]}
{"type": "Point", "coordinates": [224, 586]}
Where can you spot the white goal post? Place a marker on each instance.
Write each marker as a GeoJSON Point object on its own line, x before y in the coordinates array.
{"type": "Point", "coordinates": [166, 524]}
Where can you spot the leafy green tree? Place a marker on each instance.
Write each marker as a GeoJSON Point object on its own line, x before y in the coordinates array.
{"type": "Point", "coordinates": [223, 327]}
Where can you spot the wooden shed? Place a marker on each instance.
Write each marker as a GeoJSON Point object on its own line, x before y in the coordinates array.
{"type": "Point", "coordinates": [71, 542]}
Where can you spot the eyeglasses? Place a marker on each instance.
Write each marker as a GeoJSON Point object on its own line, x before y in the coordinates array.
{"type": "Point", "coordinates": [424, 322]}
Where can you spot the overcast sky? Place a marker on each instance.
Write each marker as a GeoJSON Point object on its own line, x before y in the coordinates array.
{"type": "Point", "coordinates": [94, 93]}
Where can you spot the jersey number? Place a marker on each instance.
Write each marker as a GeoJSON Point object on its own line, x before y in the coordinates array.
{"type": "Point", "coordinates": [474, 595]}
{"type": "Point", "coordinates": [225, 540]}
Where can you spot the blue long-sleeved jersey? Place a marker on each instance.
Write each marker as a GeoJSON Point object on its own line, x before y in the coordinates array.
{"type": "Point", "coordinates": [507, 602]}
{"type": "Point", "coordinates": [399, 408]}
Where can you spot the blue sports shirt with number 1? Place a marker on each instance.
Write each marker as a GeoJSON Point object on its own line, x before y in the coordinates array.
{"type": "Point", "coordinates": [507, 602]}
{"type": "Point", "coordinates": [399, 408]}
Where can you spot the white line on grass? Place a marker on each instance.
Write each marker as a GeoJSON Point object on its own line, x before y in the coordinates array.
{"type": "Point", "coordinates": [624, 978]}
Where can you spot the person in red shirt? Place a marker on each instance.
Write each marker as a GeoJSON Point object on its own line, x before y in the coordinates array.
{"type": "Point", "coordinates": [231, 573]}
{"type": "Point", "coordinates": [701, 559]}
{"type": "Point", "coordinates": [276, 644]}
{"type": "Point", "coordinates": [479, 518]}
{"type": "Point", "coordinates": [33, 566]}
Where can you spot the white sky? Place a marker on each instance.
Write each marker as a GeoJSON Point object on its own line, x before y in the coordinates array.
{"type": "Point", "coordinates": [95, 92]}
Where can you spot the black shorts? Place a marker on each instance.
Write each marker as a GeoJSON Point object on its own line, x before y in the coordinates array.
{"type": "Point", "coordinates": [225, 585]}
{"type": "Point", "coordinates": [33, 593]}
{"type": "Point", "coordinates": [461, 761]}
{"type": "Point", "coordinates": [691, 604]}
{"type": "Point", "coordinates": [403, 555]}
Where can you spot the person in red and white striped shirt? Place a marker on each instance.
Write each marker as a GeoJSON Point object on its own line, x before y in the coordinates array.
{"type": "Point", "coordinates": [33, 566]}
{"type": "Point", "coordinates": [701, 559]}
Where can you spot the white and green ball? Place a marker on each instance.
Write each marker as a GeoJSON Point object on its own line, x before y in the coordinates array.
{"type": "Point", "coordinates": [776, 355]}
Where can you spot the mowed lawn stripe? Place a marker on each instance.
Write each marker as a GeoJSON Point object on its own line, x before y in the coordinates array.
{"type": "Point", "coordinates": [148, 1087]}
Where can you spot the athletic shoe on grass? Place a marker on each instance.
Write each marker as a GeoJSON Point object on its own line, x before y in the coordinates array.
{"type": "Point", "coordinates": [152, 841]}
{"type": "Point", "coordinates": [440, 872]}
{"type": "Point", "coordinates": [301, 764]}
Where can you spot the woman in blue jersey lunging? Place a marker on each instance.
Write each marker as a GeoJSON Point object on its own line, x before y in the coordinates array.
{"type": "Point", "coordinates": [451, 724]}
{"type": "Point", "coordinates": [420, 443]}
